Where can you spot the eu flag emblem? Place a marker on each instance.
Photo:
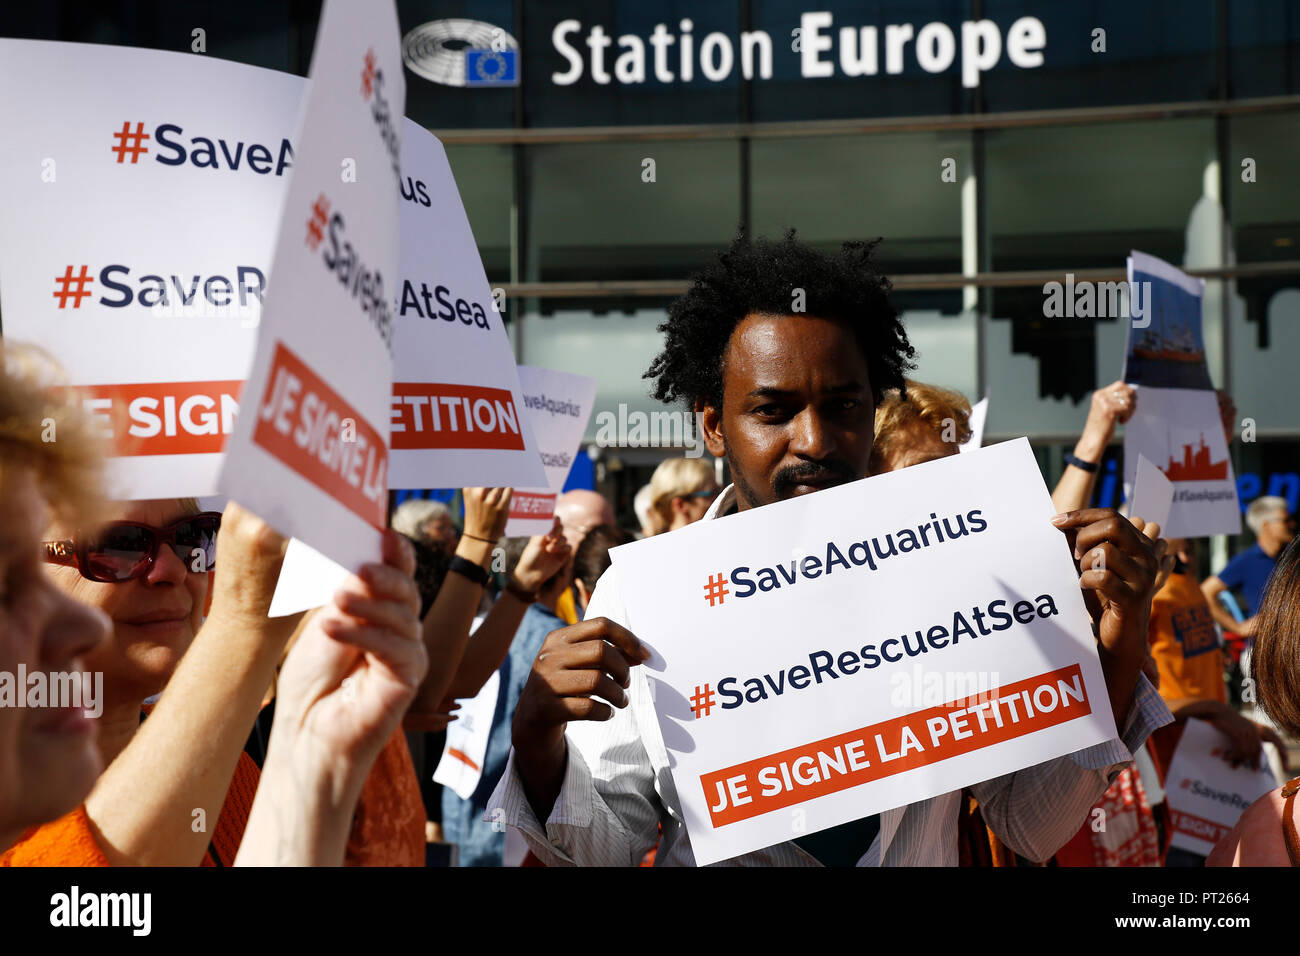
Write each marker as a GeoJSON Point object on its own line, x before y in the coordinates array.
{"type": "Point", "coordinates": [491, 68]}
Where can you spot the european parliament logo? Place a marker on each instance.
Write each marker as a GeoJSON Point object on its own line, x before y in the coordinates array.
{"type": "Point", "coordinates": [490, 68]}
{"type": "Point", "coordinates": [461, 52]}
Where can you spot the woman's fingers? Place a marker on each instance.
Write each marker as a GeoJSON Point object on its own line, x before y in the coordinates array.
{"type": "Point", "coordinates": [385, 583]}
{"type": "Point", "coordinates": [399, 654]}
{"type": "Point", "coordinates": [398, 553]}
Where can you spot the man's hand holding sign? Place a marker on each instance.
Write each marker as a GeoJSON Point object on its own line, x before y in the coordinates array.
{"type": "Point", "coordinates": [578, 668]}
{"type": "Point", "coordinates": [1118, 562]}
{"type": "Point", "coordinates": [783, 648]}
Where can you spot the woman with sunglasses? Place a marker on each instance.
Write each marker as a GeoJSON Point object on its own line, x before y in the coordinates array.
{"type": "Point", "coordinates": [48, 757]}
{"type": "Point", "coordinates": [177, 787]}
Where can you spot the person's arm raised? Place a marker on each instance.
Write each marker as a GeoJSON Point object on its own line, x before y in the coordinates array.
{"type": "Point", "coordinates": [177, 768]}
{"type": "Point", "coordinates": [1110, 405]}
{"type": "Point", "coordinates": [543, 558]}
{"type": "Point", "coordinates": [1119, 561]}
{"type": "Point", "coordinates": [446, 626]}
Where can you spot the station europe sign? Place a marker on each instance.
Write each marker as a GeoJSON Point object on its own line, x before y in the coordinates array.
{"type": "Point", "coordinates": [975, 46]}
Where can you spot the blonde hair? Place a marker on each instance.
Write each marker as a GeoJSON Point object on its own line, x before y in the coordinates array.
{"type": "Point", "coordinates": [675, 478]}
{"type": "Point", "coordinates": [934, 406]}
{"type": "Point", "coordinates": [42, 427]}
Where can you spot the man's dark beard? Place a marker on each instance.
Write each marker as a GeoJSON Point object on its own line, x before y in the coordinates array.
{"type": "Point", "coordinates": [840, 472]}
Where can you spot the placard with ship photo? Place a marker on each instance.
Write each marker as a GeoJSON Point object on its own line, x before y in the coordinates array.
{"type": "Point", "coordinates": [1176, 423]}
{"type": "Point", "coordinates": [1169, 352]}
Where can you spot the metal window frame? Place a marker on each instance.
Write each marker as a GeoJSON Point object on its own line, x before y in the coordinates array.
{"type": "Point", "coordinates": [979, 285]}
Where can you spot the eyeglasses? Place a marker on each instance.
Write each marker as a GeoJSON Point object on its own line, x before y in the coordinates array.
{"type": "Point", "coordinates": [125, 550]}
{"type": "Point", "coordinates": [711, 494]}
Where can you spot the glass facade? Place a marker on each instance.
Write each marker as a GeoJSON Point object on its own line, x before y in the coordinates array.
{"type": "Point", "coordinates": [593, 215]}
{"type": "Point", "coordinates": [995, 145]}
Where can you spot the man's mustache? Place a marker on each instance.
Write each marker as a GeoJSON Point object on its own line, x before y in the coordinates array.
{"type": "Point", "coordinates": [815, 472]}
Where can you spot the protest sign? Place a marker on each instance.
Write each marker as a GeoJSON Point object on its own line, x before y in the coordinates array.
{"type": "Point", "coordinates": [151, 219]}
{"type": "Point", "coordinates": [559, 405]}
{"type": "Point", "coordinates": [1153, 495]}
{"type": "Point", "coordinates": [1207, 795]}
{"type": "Point", "coordinates": [823, 658]}
{"type": "Point", "coordinates": [307, 579]}
{"type": "Point", "coordinates": [457, 418]}
{"type": "Point", "coordinates": [161, 331]}
{"type": "Point", "coordinates": [979, 414]}
{"type": "Point", "coordinates": [461, 765]}
{"type": "Point", "coordinates": [311, 455]}
{"type": "Point", "coordinates": [1176, 422]}
{"type": "Point", "coordinates": [456, 414]}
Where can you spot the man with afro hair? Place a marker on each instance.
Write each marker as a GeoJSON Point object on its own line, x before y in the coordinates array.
{"type": "Point", "coordinates": [782, 352]}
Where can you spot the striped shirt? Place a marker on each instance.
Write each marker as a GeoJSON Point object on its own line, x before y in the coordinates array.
{"type": "Point", "coordinates": [618, 789]}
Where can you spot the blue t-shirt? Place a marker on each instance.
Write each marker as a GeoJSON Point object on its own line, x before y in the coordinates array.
{"type": "Point", "coordinates": [1246, 574]}
{"type": "Point", "coordinates": [462, 820]}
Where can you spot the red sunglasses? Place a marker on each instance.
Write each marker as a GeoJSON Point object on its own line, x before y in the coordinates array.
{"type": "Point", "coordinates": [125, 550]}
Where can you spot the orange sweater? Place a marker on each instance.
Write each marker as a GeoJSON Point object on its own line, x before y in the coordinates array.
{"type": "Point", "coordinates": [388, 829]}
{"type": "Point", "coordinates": [70, 840]}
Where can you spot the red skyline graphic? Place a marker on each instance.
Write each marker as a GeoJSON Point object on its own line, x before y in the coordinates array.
{"type": "Point", "coordinates": [1196, 465]}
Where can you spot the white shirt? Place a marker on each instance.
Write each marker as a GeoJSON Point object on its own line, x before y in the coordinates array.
{"type": "Point", "coordinates": [618, 790]}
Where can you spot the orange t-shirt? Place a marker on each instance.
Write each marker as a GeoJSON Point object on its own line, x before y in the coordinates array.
{"type": "Point", "coordinates": [70, 840]}
{"type": "Point", "coordinates": [1184, 642]}
{"type": "Point", "coordinates": [1185, 646]}
{"type": "Point", "coordinates": [388, 829]}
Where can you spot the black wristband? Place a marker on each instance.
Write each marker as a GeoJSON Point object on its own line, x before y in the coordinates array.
{"type": "Point", "coordinates": [468, 569]}
{"type": "Point", "coordinates": [1077, 462]}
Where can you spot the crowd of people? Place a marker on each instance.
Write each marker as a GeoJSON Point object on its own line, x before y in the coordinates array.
{"type": "Point", "coordinates": [228, 737]}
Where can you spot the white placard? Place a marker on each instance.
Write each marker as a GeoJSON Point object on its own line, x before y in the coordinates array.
{"type": "Point", "coordinates": [1153, 495]}
{"type": "Point", "coordinates": [800, 678]}
{"type": "Point", "coordinates": [1181, 428]}
{"type": "Point", "coordinates": [979, 414]}
{"type": "Point", "coordinates": [457, 416]}
{"type": "Point", "coordinates": [311, 453]}
{"type": "Point", "coordinates": [1176, 423]}
{"type": "Point", "coordinates": [461, 766]}
{"type": "Point", "coordinates": [1207, 795]}
{"type": "Point", "coordinates": [559, 405]}
{"type": "Point", "coordinates": [307, 579]}
{"type": "Point", "coordinates": [165, 197]}
{"type": "Point", "coordinates": [165, 331]}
